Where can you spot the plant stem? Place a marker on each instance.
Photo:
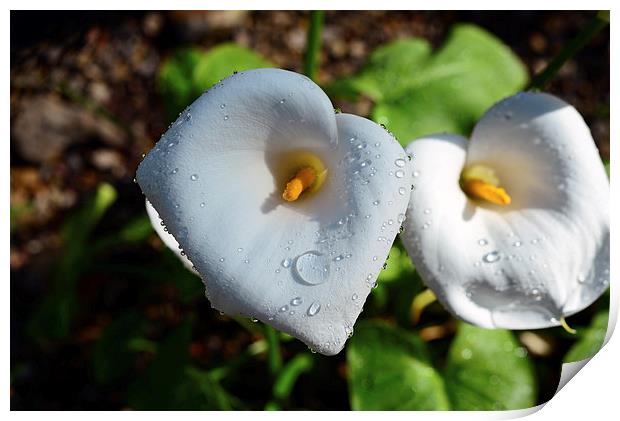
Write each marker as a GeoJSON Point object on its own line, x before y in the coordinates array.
{"type": "Point", "coordinates": [600, 21]}
{"type": "Point", "coordinates": [313, 44]}
{"type": "Point", "coordinates": [274, 357]}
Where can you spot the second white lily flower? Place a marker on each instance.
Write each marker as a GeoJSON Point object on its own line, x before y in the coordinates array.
{"type": "Point", "coordinates": [286, 210]}
{"type": "Point", "coordinates": [510, 229]}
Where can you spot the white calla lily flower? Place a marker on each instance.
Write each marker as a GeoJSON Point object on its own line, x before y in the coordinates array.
{"type": "Point", "coordinates": [286, 209]}
{"type": "Point", "coordinates": [511, 228]}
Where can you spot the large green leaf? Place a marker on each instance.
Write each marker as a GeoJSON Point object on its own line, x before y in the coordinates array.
{"type": "Point", "coordinates": [417, 92]}
{"type": "Point", "coordinates": [590, 340]}
{"type": "Point", "coordinates": [191, 71]}
{"type": "Point", "coordinates": [389, 369]}
{"type": "Point", "coordinates": [487, 369]}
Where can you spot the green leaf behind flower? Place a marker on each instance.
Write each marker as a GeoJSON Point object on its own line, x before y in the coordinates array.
{"type": "Point", "coordinates": [487, 370]}
{"type": "Point", "coordinates": [418, 92]}
{"type": "Point", "coordinates": [389, 369]}
{"type": "Point", "coordinates": [190, 71]}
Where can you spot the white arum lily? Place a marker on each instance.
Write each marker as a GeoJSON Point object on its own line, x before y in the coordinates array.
{"type": "Point", "coordinates": [286, 210]}
{"type": "Point", "coordinates": [511, 228]}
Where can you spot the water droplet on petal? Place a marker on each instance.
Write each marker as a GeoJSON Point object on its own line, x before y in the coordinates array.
{"type": "Point", "coordinates": [491, 257]}
{"type": "Point", "coordinates": [296, 301]}
{"type": "Point", "coordinates": [286, 263]}
{"type": "Point", "coordinates": [312, 267]}
{"type": "Point", "coordinates": [194, 177]}
{"type": "Point", "coordinates": [314, 308]}
{"type": "Point", "coordinates": [400, 162]}
{"type": "Point", "coordinates": [402, 191]}
{"type": "Point", "coordinates": [483, 242]}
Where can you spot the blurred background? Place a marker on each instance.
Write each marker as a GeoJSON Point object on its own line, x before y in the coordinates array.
{"type": "Point", "coordinates": [103, 316]}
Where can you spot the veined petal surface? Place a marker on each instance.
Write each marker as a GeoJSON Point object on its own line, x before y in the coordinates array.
{"type": "Point", "coordinates": [216, 179]}
{"type": "Point", "coordinates": [525, 265]}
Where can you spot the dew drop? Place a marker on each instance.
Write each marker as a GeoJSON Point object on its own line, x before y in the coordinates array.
{"type": "Point", "coordinates": [354, 297]}
{"type": "Point", "coordinates": [202, 205]}
{"type": "Point", "coordinates": [314, 308]}
{"type": "Point", "coordinates": [296, 301]}
{"type": "Point", "coordinates": [194, 177]}
{"type": "Point", "coordinates": [286, 263]}
{"type": "Point", "coordinates": [226, 117]}
{"type": "Point", "coordinates": [402, 191]}
{"type": "Point", "coordinates": [483, 242]}
{"type": "Point", "coordinates": [517, 243]}
{"type": "Point", "coordinates": [376, 202]}
{"type": "Point", "coordinates": [399, 162]}
{"type": "Point", "coordinates": [284, 308]}
{"type": "Point", "coordinates": [312, 268]}
{"type": "Point", "coordinates": [491, 257]}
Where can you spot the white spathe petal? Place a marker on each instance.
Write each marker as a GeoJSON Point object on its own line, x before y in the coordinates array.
{"type": "Point", "coordinates": [167, 238]}
{"type": "Point", "coordinates": [304, 267]}
{"type": "Point", "coordinates": [525, 265]}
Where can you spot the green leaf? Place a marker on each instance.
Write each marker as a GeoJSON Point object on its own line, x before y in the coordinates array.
{"type": "Point", "coordinates": [189, 72]}
{"type": "Point", "coordinates": [487, 369]}
{"type": "Point", "coordinates": [53, 318]}
{"type": "Point", "coordinates": [389, 369]}
{"type": "Point", "coordinates": [418, 93]}
{"type": "Point", "coordinates": [591, 340]}
{"type": "Point", "coordinates": [113, 356]}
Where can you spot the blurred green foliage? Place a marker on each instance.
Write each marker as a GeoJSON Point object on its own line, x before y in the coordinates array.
{"type": "Point", "coordinates": [53, 318]}
{"type": "Point", "coordinates": [418, 92]}
{"type": "Point", "coordinates": [590, 340]}
{"type": "Point", "coordinates": [189, 72]}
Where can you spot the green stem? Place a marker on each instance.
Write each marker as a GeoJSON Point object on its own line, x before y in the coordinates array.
{"type": "Point", "coordinates": [600, 21]}
{"type": "Point", "coordinates": [274, 357]}
{"type": "Point", "coordinates": [313, 44]}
